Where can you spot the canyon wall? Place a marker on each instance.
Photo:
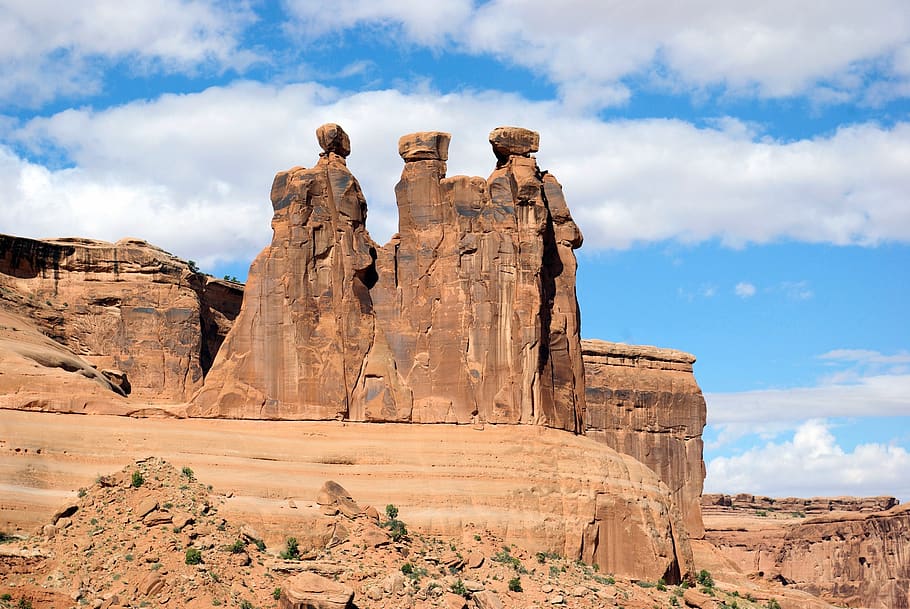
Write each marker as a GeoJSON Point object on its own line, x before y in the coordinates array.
{"type": "Point", "coordinates": [129, 309]}
{"type": "Point", "coordinates": [850, 554]}
{"type": "Point", "coordinates": [467, 315]}
{"type": "Point", "coordinates": [644, 402]}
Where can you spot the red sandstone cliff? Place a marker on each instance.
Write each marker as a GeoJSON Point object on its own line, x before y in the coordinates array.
{"type": "Point", "coordinates": [128, 308]}
{"type": "Point", "coordinates": [644, 402]}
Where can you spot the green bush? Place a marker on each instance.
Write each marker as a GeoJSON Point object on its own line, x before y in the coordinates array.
{"type": "Point", "coordinates": [515, 584]}
{"type": "Point", "coordinates": [704, 578]}
{"type": "Point", "coordinates": [391, 511]}
{"type": "Point", "coordinates": [276, 593]}
{"type": "Point", "coordinates": [661, 585]}
{"type": "Point", "coordinates": [773, 604]}
{"type": "Point", "coordinates": [137, 480]}
{"type": "Point", "coordinates": [238, 547]}
{"type": "Point", "coordinates": [245, 604]}
{"type": "Point", "coordinates": [459, 589]}
{"type": "Point", "coordinates": [187, 473]}
{"type": "Point", "coordinates": [291, 551]}
{"type": "Point", "coordinates": [193, 556]}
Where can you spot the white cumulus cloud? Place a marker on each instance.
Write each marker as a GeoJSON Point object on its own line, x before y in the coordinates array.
{"type": "Point", "coordinates": [191, 172]}
{"type": "Point", "coordinates": [829, 50]}
{"type": "Point", "coordinates": [812, 463]}
{"type": "Point", "coordinates": [47, 49]}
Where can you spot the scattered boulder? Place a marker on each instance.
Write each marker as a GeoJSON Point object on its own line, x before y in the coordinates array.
{"type": "Point", "coordinates": [311, 591]}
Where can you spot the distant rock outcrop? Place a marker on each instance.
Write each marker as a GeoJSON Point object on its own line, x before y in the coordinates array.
{"type": "Point", "coordinates": [850, 554]}
{"type": "Point", "coordinates": [644, 402]}
{"type": "Point", "coordinates": [467, 315]}
{"type": "Point", "coordinates": [127, 308]}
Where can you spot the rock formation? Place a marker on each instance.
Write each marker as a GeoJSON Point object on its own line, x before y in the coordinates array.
{"type": "Point", "coordinates": [849, 556]}
{"type": "Point", "coordinates": [467, 315]}
{"type": "Point", "coordinates": [129, 309]}
{"type": "Point", "coordinates": [644, 402]}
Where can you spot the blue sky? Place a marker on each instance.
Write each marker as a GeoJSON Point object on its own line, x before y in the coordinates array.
{"type": "Point", "coordinates": [740, 170]}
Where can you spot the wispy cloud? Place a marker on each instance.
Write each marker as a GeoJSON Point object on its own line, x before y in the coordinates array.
{"type": "Point", "coordinates": [744, 289]}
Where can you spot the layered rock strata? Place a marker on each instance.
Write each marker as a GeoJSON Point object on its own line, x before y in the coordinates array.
{"type": "Point", "coordinates": [799, 505]}
{"type": "Point", "coordinates": [540, 488]}
{"type": "Point", "coordinates": [467, 315]}
{"type": "Point", "coordinates": [851, 558]}
{"type": "Point", "coordinates": [128, 308]}
{"type": "Point", "coordinates": [644, 402]}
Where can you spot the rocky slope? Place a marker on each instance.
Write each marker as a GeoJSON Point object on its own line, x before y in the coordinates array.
{"type": "Point", "coordinates": [857, 558]}
{"type": "Point", "coordinates": [153, 536]}
{"type": "Point", "coordinates": [644, 402]}
{"type": "Point", "coordinates": [543, 489]}
{"type": "Point", "coordinates": [467, 315]}
{"type": "Point", "coordinates": [128, 308]}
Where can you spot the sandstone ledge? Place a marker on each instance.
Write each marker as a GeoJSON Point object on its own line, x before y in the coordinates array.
{"type": "Point", "coordinates": [639, 356]}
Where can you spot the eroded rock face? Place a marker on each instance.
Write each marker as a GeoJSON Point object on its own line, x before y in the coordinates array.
{"type": "Point", "coordinates": [852, 558]}
{"type": "Point", "coordinates": [467, 315]}
{"type": "Point", "coordinates": [128, 308]}
{"type": "Point", "coordinates": [644, 402]}
{"type": "Point", "coordinates": [799, 505]}
{"type": "Point", "coordinates": [299, 345]}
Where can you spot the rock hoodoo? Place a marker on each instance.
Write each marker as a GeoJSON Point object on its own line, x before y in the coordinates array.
{"type": "Point", "coordinates": [467, 315]}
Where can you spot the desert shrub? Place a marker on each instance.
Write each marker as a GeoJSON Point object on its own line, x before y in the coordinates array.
{"type": "Point", "coordinates": [138, 479]}
{"type": "Point", "coordinates": [187, 473]}
{"type": "Point", "coordinates": [237, 547]}
{"type": "Point", "coordinates": [245, 604]}
{"type": "Point", "coordinates": [276, 593]}
{"type": "Point", "coordinates": [82, 492]}
{"type": "Point", "coordinates": [459, 589]}
{"type": "Point", "coordinates": [773, 604]}
{"type": "Point", "coordinates": [661, 585]}
{"type": "Point", "coordinates": [515, 584]}
{"type": "Point", "coordinates": [397, 528]}
{"type": "Point", "coordinates": [24, 603]}
{"type": "Point", "coordinates": [407, 568]}
{"type": "Point", "coordinates": [291, 551]}
{"type": "Point", "coordinates": [704, 578]}
{"type": "Point", "coordinates": [193, 556]}
{"type": "Point", "coordinates": [504, 556]}
{"type": "Point", "coordinates": [260, 545]}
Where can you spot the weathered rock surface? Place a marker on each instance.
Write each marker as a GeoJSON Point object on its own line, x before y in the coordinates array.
{"type": "Point", "coordinates": [131, 310]}
{"type": "Point", "coordinates": [644, 402]}
{"type": "Point", "coordinates": [543, 489]}
{"type": "Point", "coordinates": [467, 315]}
{"type": "Point", "coordinates": [856, 558]}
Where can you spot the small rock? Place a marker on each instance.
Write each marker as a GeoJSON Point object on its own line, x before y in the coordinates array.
{"type": "Point", "coordinates": [153, 583]}
{"type": "Point", "coordinates": [547, 588]}
{"type": "Point", "coordinates": [332, 138]}
{"type": "Point", "coordinates": [475, 560]}
{"type": "Point", "coordinates": [453, 601]}
{"type": "Point", "coordinates": [556, 599]}
{"type": "Point", "coordinates": [64, 512]}
{"type": "Point", "coordinates": [580, 591]}
{"type": "Point", "coordinates": [249, 533]}
{"type": "Point", "coordinates": [374, 593]}
{"type": "Point", "coordinates": [240, 560]}
{"type": "Point", "coordinates": [509, 141]}
{"type": "Point", "coordinates": [472, 585]}
{"type": "Point", "coordinates": [371, 512]}
{"type": "Point", "coordinates": [156, 518]}
{"type": "Point", "coordinates": [375, 537]}
{"type": "Point", "coordinates": [487, 600]}
{"type": "Point", "coordinates": [181, 520]}
{"type": "Point", "coordinates": [49, 531]}
{"type": "Point", "coordinates": [64, 523]}
{"type": "Point", "coordinates": [146, 506]}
